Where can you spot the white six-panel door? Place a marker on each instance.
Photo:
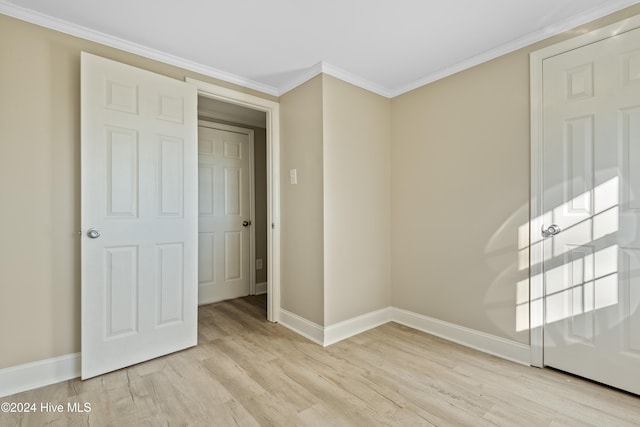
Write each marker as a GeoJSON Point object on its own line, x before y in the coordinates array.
{"type": "Point", "coordinates": [139, 193]}
{"type": "Point", "coordinates": [591, 181]}
{"type": "Point", "coordinates": [224, 178]}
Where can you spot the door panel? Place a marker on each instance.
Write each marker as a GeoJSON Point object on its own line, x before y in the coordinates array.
{"type": "Point", "coordinates": [139, 189]}
{"type": "Point", "coordinates": [122, 173]}
{"type": "Point", "coordinates": [224, 154]}
{"type": "Point", "coordinates": [120, 303]}
{"type": "Point", "coordinates": [171, 181]}
{"type": "Point", "coordinates": [170, 261]}
{"type": "Point", "coordinates": [591, 157]}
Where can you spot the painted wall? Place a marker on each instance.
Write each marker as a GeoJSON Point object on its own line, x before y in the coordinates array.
{"type": "Point", "coordinates": [40, 186]}
{"type": "Point", "coordinates": [357, 200]}
{"type": "Point", "coordinates": [336, 220]}
{"type": "Point", "coordinates": [460, 193]}
{"type": "Point", "coordinates": [301, 218]}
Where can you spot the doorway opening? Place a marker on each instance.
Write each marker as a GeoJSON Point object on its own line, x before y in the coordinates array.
{"type": "Point", "coordinates": [232, 175]}
{"type": "Point", "coordinates": [226, 105]}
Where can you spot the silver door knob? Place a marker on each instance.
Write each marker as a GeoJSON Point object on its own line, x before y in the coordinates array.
{"type": "Point", "coordinates": [246, 223]}
{"type": "Point", "coordinates": [552, 230]}
{"type": "Point", "coordinates": [93, 233]}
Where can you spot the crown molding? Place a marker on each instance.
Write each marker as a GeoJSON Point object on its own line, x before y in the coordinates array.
{"type": "Point", "coordinates": [339, 73]}
{"type": "Point", "coordinates": [75, 30]}
{"type": "Point", "coordinates": [608, 8]}
{"type": "Point", "coordinates": [303, 77]}
{"type": "Point", "coordinates": [43, 20]}
{"type": "Point", "coordinates": [355, 80]}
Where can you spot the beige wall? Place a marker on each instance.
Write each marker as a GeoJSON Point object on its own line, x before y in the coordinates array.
{"type": "Point", "coordinates": [302, 261]}
{"type": "Point", "coordinates": [460, 191]}
{"type": "Point", "coordinates": [357, 197]}
{"type": "Point", "coordinates": [336, 220]}
{"type": "Point", "coordinates": [40, 186]}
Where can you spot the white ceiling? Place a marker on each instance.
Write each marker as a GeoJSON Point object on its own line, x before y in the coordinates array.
{"type": "Point", "coordinates": [385, 46]}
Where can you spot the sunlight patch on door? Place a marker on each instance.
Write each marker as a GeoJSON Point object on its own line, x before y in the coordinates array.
{"type": "Point", "coordinates": [582, 276]}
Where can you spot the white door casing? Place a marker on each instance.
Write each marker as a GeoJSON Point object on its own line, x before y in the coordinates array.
{"type": "Point", "coordinates": [272, 111]}
{"type": "Point", "coordinates": [586, 184]}
{"type": "Point", "coordinates": [226, 212]}
{"type": "Point", "coordinates": [139, 189]}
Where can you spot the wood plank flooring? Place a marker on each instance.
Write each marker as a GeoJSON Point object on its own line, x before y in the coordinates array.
{"type": "Point", "coordinates": [248, 372]}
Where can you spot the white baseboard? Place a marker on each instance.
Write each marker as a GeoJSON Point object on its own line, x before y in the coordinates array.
{"type": "Point", "coordinates": [25, 377]}
{"type": "Point", "coordinates": [302, 326]}
{"type": "Point", "coordinates": [487, 343]}
{"type": "Point", "coordinates": [326, 336]}
{"type": "Point", "coordinates": [357, 325]}
{"type": "Point", "coordinates": [261, 288]}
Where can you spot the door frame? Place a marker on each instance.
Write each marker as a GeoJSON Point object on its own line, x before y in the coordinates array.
{"type": "Point", "coordinates": [536, 277]}
{"type": "Point", "coordinates": [272, 110]}
{"type": "Point", "coordinates": [213, 124]}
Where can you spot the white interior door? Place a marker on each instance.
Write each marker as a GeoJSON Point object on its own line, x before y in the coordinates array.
{"type": "Point", "coordinates": [591, 181]}
{"type": "Point", "coordinates": [225, 212]}
{"type": "Point", "coordinates": [139, 197]}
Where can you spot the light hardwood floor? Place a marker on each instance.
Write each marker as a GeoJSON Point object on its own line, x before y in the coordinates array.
{"type": "Point", "coordinates": [248, 372]}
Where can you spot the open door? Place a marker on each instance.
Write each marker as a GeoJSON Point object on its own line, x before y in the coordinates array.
{"type": "Point", "coordinates": [139, 215]}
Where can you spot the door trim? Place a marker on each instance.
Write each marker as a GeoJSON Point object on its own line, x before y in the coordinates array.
{"type": "Point", "coordinates": [211, 123]}
{"type": "Point", "coordinates": [272, 110]}
{"type": "Point", "coordinates": [536, 278]}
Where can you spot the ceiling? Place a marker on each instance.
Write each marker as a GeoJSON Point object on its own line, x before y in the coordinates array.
{"type": "Point", "coordinates": [385, 46]}
{"type": "Point", "coordinates": [209, 108]}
